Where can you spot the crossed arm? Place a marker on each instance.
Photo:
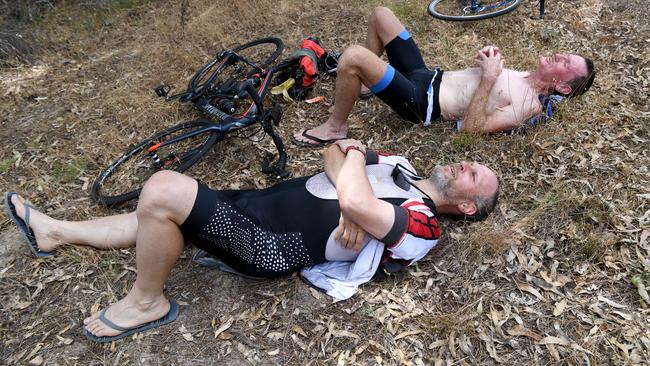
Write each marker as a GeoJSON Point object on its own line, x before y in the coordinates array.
{"type": "Point", "coordinates": [481, 116]}
{"type": "Point", "coordinates": [359, 206]}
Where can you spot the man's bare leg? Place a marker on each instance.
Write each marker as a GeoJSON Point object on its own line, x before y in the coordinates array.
{"type": "Point", "coordinates": [165, 202]}
{"type": "Point", "coordinates": [107, 232]}
{"type": "Point", "coordinates": [358, 65]}
{"type": "Point", "coordinates": [383, 27]}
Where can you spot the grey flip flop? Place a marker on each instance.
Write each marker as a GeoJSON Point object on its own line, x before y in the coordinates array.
{"type": "Point", "coordinates": [23, 225]}
{"type": "Point", "coordinates": [171, 315]}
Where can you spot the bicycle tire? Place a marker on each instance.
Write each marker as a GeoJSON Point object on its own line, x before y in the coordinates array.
{"type": "Point", "coordinates": [194, 84]}
{"type": "Point", "coordinates": [435, 11]}
{"type": "Point", "coordinates": [103, 191]}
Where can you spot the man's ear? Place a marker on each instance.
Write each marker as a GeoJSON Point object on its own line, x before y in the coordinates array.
{"type": "Point", "coordinates": [563, 88]}
{"type": "Point", "coordinates": [468, 208]}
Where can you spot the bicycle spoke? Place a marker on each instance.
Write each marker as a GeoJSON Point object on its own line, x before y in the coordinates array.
{"type": "Point", "coordinates": [470, 9]}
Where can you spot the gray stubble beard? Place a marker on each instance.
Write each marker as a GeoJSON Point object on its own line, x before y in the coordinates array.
{"type": "Point", "coordinates": [440, 181]}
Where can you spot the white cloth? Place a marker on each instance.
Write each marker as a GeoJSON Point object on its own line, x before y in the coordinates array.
{"type": "Point", "coordinates": [341, 280]}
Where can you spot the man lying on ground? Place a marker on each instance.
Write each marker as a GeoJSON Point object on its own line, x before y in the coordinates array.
{"type": "Point", "coordinates": [487, 98]}
{"type": "Point", "coordinates": [302, 222]}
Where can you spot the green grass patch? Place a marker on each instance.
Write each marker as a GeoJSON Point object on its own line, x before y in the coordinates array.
{"type": "Point", "coordinates": [407, 10]}
{"type": "Point", "coordinates": [110, 262]}
{"type": "Point", "coordinates": [7, 163]}
{"type": "Point", "coordinates": [67, 172]}
{"type": "Point", "coordinates": [592, 250]}
{"type": "Point", "coordinates": [465, 140]}
{"type": "Point", "coordinates": [124, 4]}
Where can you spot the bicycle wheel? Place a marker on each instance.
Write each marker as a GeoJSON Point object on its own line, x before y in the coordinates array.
{"type": "Point", "coordinates": [124, 178]}
{"type": "Point", "coordinates": [461, 10]}
{"type": "Point", "coordinates": [261, 52]}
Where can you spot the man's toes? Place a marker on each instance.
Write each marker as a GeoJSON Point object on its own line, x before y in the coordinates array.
{"type": "Point", "coordinates": [91, 318]}
{"type": "Point", "coordinates": [298, 135]}
{"type": "Point", "coordinates": [96, 327]}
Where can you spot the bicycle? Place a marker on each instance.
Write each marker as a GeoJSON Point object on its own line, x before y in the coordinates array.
{"type": "Point", "coordinates": [469, 10]}
{"type": "Point", "coordinates": [231, 89]}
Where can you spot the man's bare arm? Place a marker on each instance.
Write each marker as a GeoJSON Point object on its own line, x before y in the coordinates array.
{"type": "Point", "coordinates": [333, 159]}
{"type": "Point", "coordinates": [477, 117]}
{"type": "Point", "coordinates": [357, 200]}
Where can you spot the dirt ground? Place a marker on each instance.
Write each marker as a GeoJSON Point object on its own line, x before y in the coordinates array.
{"type": "Point", "coordinates": [547, 279]}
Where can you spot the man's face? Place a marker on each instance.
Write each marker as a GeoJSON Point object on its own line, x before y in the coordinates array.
{"type": "Point", "coordinates": [464, 181]}
{"type": "Point", "coordinates": [561, 68]}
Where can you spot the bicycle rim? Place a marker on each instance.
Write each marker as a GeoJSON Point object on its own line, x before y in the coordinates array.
{"type": "Point", "coordinates": [261, 52]}
{"type": "Point", "coordinates": [124, 178]}
{"type": "Point", "coordinates": [460, 10]}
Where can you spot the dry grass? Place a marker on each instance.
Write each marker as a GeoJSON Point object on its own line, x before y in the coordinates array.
{"type": "Point", "coordinates": [545, 280]}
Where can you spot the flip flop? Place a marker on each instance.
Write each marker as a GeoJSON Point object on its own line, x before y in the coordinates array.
{"type": "Point", "coordinates": [171, 315]}
{"type": "Point", "coordinates": [319, 142]}
{"type": "Point", "coordinates": [23, 225]}
{"type": "Point", "coordinates": [367, 95]}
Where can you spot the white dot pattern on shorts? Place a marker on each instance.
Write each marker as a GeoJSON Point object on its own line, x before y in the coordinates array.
{"type": "Point", "coordinates": [233, 232]}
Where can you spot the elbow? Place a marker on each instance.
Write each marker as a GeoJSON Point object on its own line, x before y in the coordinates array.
{"type": "Point", "coordinates": [470, 127]}
{"type": "Point", "coordinates": [349, 203]}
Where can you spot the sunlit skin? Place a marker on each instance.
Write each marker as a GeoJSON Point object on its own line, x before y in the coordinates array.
{"type": "Point", "coordinates": [462, 183]}
{"type": "Point", "coordinates": [487, 98]}
{"type": "Point", "coordinates": [155, 228]}
{"type": "Point", "coordinates": [557, 69]}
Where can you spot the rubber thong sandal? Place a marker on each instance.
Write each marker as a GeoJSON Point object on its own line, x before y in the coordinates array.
{"type": "Point", "coordinates": [23, 225]}
{"type": "Point", "coordinates": [366, 95]}
{"type": "Point", "coordinates": [171, 315]}
{"type": "Point", "coordinates": [318, 141]}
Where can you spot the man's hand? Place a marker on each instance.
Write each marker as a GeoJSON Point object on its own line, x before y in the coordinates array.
{"type": "Point", "coordinates": [349, 234]}
{"type": "Point", "coordinates": [490, 61]}
{"type": "Point", "coordinates": [345, 144]}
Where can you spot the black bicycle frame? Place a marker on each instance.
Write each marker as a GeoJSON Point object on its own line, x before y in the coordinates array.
{"type": "Point", "coordinates": [255, 113]}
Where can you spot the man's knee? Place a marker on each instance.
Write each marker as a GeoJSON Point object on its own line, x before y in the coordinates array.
{"type": "Point", "coordinates": [353, 58]}
{"type": "Point", "coordinates": [163, 193]}
{"type": "Point", "coordinates": [380, 14]}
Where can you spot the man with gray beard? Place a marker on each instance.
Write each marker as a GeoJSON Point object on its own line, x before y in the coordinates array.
{"type": "Point", "coordinates": [366, 208]}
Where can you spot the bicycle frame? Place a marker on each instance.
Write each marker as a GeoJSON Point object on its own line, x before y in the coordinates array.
{"type": "Point", "coordinates": [230, 123]}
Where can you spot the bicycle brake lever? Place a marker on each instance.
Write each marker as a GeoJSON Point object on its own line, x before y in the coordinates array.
{"type": "Point", "coordinates": [268, 168]}
{"type": "Point", "coordinates": [276, 114]}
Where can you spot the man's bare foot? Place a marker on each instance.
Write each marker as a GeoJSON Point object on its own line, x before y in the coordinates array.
{"type": "Point", "coordinates": [320, 136]}
{"type": "Point", "coordinates": [127, 313]}
{"type": "Point", "coordinates": [364, 91]}
{"type": "Point", "coordinates": [43, 226]}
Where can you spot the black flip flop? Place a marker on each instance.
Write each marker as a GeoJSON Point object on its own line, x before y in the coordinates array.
{"type": "Point", "coordinates": [367, 95]}
{"type": "Point", "coordinates": [320, 142]}
{"type": "Point", "coordinates": [23, 225]}
{"type": "Point", "coordinates": [171, 315]}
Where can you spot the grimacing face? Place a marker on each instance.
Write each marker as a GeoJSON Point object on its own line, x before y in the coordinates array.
{"type": "Point", "coordinates": [561, 68]}
{"type": "Point", "coordinates": [464, 181]}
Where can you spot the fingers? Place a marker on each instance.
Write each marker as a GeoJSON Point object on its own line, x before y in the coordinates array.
{"type": "Point", "coordinates": [340, 229]}
{"type": "Point", "coordinates": [358, 240]}
{"type": "Point", "coordinates": [349, 234]}
{"type": "Point", "coordinates": [344, 144]}
{"type": "Point", "coordinates": [488, 51]}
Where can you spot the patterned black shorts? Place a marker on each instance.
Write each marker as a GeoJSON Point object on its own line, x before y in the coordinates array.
{"type": "Point", "coordinates": [219, 227]}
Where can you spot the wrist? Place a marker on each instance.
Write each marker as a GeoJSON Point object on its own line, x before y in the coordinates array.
{"type": "Point", "coordinates": [355, 148]}
{"type": "Point", "coordinates": [490, 78]}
